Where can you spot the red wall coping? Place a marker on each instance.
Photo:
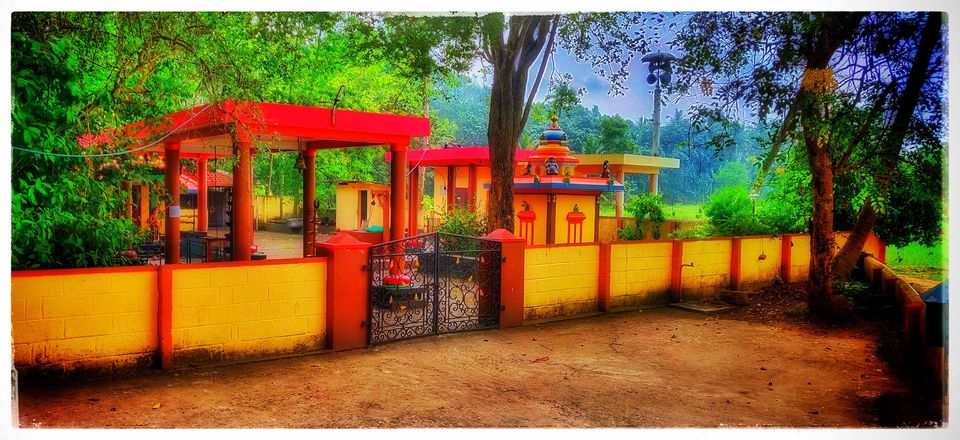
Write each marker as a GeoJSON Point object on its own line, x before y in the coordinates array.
{"type": "Point", "coordinates": [128, 269]}
{"type": "Point", "coordinates": [560, 245]}
{"type": "Point", "coordinates": [251, 263]}
{"type": "Point", "coordinates": [82, 271]}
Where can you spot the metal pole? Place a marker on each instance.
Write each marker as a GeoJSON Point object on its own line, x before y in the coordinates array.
{"type": "Point", "coordinates": [656, 119]}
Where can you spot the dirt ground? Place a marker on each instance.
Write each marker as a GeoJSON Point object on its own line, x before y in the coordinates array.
{"type": "Point", "coordinates": [762, 365]}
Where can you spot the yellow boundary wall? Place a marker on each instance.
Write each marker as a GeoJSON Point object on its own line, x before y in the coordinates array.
{"type": "Point", "coordinates": [105, 320]}
{"type": "Point", "coordinates": [93, 321]}
{"type": "Point", "coordinates": [560, 280]}
{"type": "Point", "coordinates": [640, 273]}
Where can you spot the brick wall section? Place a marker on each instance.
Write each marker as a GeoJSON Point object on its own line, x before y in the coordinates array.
{"type": "Point", "coordinates": [86, 321]}
{"type": "Point", "coordinates": [754, 271]}
{"type": "Point", "coordinates": [640, 273]}
{"type": "Point", "coordinates": [799, 257]}
{"type": "Point", "coordinates": [242, 312]}
{"type": "Point", "coordinates": [711, 268]}
{"type": "Point", "coordinates": [560, 280]}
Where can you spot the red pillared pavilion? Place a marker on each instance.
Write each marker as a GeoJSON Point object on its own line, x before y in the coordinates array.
{"type": "Point", "coordinates": [240, 129]}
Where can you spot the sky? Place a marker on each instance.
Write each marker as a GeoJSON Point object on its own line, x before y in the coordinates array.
{"type": "Point", "coordinates": [636, 103]}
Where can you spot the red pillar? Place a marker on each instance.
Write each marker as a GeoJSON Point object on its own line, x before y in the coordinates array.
{"type": "Point", "coordinates": [414, 200]}
{"type": "Point", "coordinates": [309, 196]}
{"type": "Point", "coordinates": [398, 172]}
{"type": "Point", "coordinates": [736, 257]}
{"type": "Point", "coordinates": [603, 291]}
{"type": "Point", "coordinates": [551, 237]}
{"type": "Point", "coordinates": [171, 178]}
{"type": "Point", "coordinates": [451, 188]}
{"type": "Point", "coordinates": [511, 277]}
{"type": "Point", "coordinates": [676, 270]}
{"type": "Point", "coordinates": [242, 216]}
{"type": "Point", "coordinates": [785, 244]}
{"type": "Point", "coordinates": [165, 317]}
{"type": "Point", "coordinates": [472, 188]}
{"type": "Point", "coordinates": [202, 213]}
{"type": "Point", "coordinates": [347, 300]}
{"type": "Point", "coordinates": [654, 182]}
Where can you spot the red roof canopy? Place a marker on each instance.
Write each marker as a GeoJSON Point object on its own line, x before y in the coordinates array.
{"type": "Point", "coordinates": [209, 129]}
{"type": "Point", "coordinates": [219, 178]}
{"type": "Point", "coordinates": [457, 156]}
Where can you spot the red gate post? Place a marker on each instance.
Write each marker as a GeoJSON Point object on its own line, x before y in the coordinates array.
{"type": "Point", "coordinates": [348, 290]}
{"type": "Point", "coordinates": [309, 197]}
{"type": "Point", "coordinates": [511, 277]}
{"type": "Point", "coordinates": [202, 188]}
{"type": "Point", "coordinates": [171, 160]}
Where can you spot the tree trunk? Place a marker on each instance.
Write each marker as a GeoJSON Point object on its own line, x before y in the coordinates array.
{"type": "Point", "coordinates": [511, 62]}
{"type": "Point", "coordinates": [846, 259]}
{"type": "Point", "coordinates": [789, 122]}
{"type": "Point", "coordinates": [816, 88]}
{"type": "Point", "coordinates": [822, 244]}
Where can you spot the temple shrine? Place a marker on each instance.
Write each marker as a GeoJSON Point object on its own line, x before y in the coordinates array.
{"type": "Point", "coordinates": [551, 196]}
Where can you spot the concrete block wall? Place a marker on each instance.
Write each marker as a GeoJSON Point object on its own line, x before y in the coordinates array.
{"type": "Point", "coordinates": [760, 259]}
{"type": "Point", "coordinates": [913, 315]}
{"type": "Point", "coordinates": [243, 312]}
{"type": "Point", "coordinates": [711, 268]}
{"type": "Point", "coordinates": [84, 320]}
{"type": "Point", "coordinates": [799, 257]}
{"type": "Point", "coordinates": [105, 320]}
{"type": "Point", "coordinates": [560, 280]}
{"type": "Point", "coordinates": [640, 273]}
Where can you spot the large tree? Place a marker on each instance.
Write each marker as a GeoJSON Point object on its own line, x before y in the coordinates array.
{"type": "Point", "coordinates": [826, 74]}
{"type": "Point", "coordinates": [925, 68]}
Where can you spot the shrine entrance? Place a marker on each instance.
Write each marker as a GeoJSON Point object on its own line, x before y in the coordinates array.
{"type": "Point", "coordinates": [433, 284]}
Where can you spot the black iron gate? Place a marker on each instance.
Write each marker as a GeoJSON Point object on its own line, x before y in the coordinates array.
{"type": "Point", "coordinates": [432, 284]}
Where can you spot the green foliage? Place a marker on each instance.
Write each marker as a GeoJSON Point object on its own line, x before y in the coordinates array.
{"type": "Point", "coordinates": [644, 207]}
{"type": "Point", "coordinates": [699, 232]}
{"type": "Point", "coordinates": [562, 98]}
{"type": "Point", "coordinates": [461, 221]}
{"type": "Point", "coordinates": [856, 291]}
{"type": "Point", "coordinates": [732, 173]}
{"type": "Point", "coordinates": [614, 137]}
{"type": "Point", "coordinates": [730, 212]}
{"type": "Point", "coordinates": [788, 206]}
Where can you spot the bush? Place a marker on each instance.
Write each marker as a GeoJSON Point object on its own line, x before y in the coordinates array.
{"type": "Point", "coordinates": [644, 207]}
{"type": "Point", "coordinates": [461, 221]}
{"type": "Point", "coordinates": [730, 212]}
{"type": "Point", "coordinates": [698, 233]}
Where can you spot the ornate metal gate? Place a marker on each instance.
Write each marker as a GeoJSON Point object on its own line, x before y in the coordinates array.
{"type": "Point", "coordinates": [431, 284]}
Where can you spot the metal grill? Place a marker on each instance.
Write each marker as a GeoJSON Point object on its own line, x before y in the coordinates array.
{"type": "Point", "coordinates": [447, 283]}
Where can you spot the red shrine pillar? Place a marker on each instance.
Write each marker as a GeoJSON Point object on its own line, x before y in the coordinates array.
{"type": "Point", "coordinates": [654, 183]}
{"type": "Point", "coordinates": [309, 197]}
{"type": "Point", "coordinates": [451, 187]}
{"type": "Point", "coordinates": [171, 179]}
{"type": "Point", "coordinates": [242, 216]}
{"type": "Point", "coordinates": [202, 213]}
{"type": "Point", "coordinates": [414, 201]}
{"type": "Point", "coordinates": [551, 237]}
{"type": "Point", "coordinates": [472, 188]}
{"type": "Point", "coordinates": [398, 172]}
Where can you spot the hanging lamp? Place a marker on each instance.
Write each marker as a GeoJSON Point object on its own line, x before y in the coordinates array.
{"type": "Point", "coordinates": [300, 164]}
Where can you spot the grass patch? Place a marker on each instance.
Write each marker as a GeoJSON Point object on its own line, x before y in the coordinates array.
{"type": "Point", "coordinates": [684, 212]}
{"type": "Point", "coordinates": [916, 260]}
